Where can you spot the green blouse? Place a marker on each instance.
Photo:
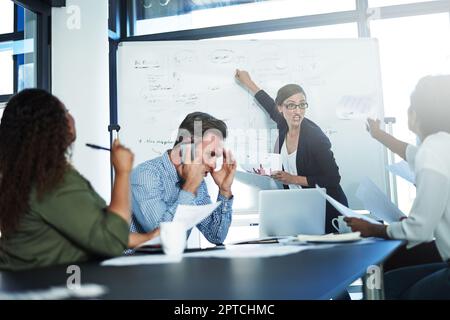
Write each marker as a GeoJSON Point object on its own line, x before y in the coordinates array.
{"type": "Point", "coordinates": [68, 225]}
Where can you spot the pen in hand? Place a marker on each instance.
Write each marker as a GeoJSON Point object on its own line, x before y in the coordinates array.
{"type": "Point", "coordinates": [94, 146]}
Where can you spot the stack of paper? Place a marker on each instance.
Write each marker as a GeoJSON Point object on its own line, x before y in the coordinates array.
{"type": "Point", "coordinates": [140, 260]}
{"type": "Point", "coordinates": [343, 237]}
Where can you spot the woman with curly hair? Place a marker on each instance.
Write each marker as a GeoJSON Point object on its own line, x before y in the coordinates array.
{"type": "Point", "coordinates": [49, 213]}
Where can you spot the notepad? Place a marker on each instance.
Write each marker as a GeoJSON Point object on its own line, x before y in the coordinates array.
{"type": "Point", "coordinates": [331, 238]}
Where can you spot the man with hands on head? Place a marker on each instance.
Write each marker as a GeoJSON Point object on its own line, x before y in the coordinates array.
{"type": "Point", "coordinates": [177, 177]}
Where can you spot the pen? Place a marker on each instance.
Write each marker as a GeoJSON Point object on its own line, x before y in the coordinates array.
{"type": "Point", "coordinates": [94, 146]}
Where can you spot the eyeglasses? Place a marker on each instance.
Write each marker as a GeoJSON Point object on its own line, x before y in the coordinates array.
{"type": "Point", "coordinates": [293, 106]}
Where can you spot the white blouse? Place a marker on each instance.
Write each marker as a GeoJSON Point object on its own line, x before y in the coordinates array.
{"type": "Point", "coordinates": [289, 164]}
{"type": "Point", "coordinates": [429, 217]}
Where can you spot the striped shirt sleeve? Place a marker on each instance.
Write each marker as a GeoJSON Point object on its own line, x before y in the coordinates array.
{"type": "Point", "coordinates": [215, 227]}
{"type": "Point", "coordinates": [149, 209]}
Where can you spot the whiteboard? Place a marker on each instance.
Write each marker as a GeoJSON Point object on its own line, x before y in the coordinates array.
{"type": "Point", "coordinates": [159, 83]}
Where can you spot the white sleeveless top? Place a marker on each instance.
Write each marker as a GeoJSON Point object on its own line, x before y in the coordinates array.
{"type": "Point", "coordinates": [289, 163]}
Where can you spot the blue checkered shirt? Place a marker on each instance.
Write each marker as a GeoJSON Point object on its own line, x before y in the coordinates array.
{"type": "Point", "coordinates": [156, 193]}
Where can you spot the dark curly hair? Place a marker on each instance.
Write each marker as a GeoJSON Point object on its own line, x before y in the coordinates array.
{"type": "Point", "coordinates": [34, 138]}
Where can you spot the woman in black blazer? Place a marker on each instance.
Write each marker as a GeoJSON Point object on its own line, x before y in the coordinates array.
{"type": "Point", "coordinates": [314, 160]}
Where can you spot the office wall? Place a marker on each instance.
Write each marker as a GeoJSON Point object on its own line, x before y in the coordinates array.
{"type": "Point", "coordinates": [80, 80]}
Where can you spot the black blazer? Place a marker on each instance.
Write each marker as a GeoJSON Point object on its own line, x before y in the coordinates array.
{"type": "Point", "coordinates": [315, 160]}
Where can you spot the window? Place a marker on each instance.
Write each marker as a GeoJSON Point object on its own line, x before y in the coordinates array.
{"type": "Point", "coordinates": [6, 67]}
{"type": "Point", "coordinates": [17, 49]}
{"type": "Point", "coordinates": [169, 15]}
{"type": "Point", "coordinates": [6, 16]}
{"type": "Point", "coordinates": [407, 53]}
{"type": "Point", "coordinates": [344, 30]}
{"type": "Point", "coordinates": [382, 3]}
{"type": "Point", "coordinates": [2, 107]}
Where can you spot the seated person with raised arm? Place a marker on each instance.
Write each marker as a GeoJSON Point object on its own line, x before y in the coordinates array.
{"type": "Point", "coordinates": [161, 184]}
{"type": "Point", "coordinates": [424, 273]}
{"type": "Point", "coordinates": [49, 213]}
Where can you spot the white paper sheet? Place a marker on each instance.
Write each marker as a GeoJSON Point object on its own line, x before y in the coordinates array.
{"type": "Point", "coordinates": [357, 107]}
{"type": "Point", "coordinates": [331, 237]}
{"type": "Point", "coordinates": [377, 203]}
{"type": "Point", "coordinates": [248, 251]}
{"type": "Point", "coordinates": [83, 291]}
{"type": "Point", "coordinates": [256, 180]}
{"type": "Point", "coordinates": [141, 259]}
{"type": "Point", "coordinates": [403, 170]}
{"type": "Point", "coordinates": [344, 210]}
{"type": "Point", "coordinates": [189, 215]}
{"type": "Point", "coordinates": [193, 215]}
{"type": "Point", "coordinates": [267, 165]}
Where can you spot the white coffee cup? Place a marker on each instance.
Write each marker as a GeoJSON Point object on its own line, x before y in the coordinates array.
{"type": "Point", "coordinates": [340, 225]}
{"type": "Point", "coordinates": [173, 237]}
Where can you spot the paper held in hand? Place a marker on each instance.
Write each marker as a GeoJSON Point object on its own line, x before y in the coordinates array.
{"type": "Point", "coordinates": [190, 216]}
{"type": "Point", "coordinates": [267, 165]}
{"type": "Point", "coordinates": [344, 210]}
{"type": "Point", "coordinates": [377, 203]}
{"type": "Point", "coordinates": [403, 170]}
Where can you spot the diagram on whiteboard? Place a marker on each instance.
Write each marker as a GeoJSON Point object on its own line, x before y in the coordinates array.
{"type": "Point", "coordinates": [159, 83]}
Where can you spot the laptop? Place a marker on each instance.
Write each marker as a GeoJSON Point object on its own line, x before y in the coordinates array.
{"type": "Point", "coordinates": [291, 212]}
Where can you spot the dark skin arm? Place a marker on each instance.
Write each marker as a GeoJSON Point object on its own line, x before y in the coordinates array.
{"type": "Point", "coordinates": [367, 229]}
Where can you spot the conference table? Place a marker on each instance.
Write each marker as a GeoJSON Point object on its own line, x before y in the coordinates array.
{"type": "Point", "coordinates": [315, 273]}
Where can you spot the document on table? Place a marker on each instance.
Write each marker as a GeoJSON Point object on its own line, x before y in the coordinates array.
{"type": "Point", "coordinates": [331, 237]}
{"type": "Point", "coordinates": [141, 259]}
{"type": "Point", "coordinates": [263, 240]}
{"type": "Point", "coordinates": [344, 210]}
{"type": "Point", "coordinates": [248, 251]}
{"type": "Point", "coordinates": [83, 291]}
{"type": "Point", "coordinates": [403, 170]}
{"type": "Point", "coordinates": [377, 203]}
{"type": "Point", "coordinates": [230, 251]}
